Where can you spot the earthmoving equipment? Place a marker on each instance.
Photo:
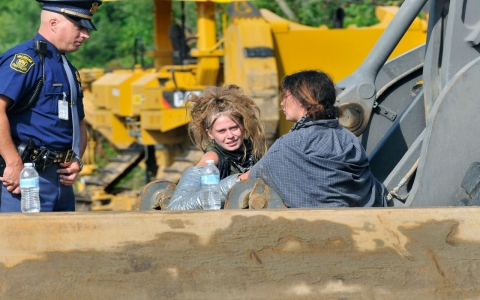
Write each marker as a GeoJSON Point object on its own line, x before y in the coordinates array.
{"type": "Point", "coordinates": [256, 49]}
{"type": "Point", "coordinates": [416, 114]}
{"type": "Point", "coordinates": [389, 253]}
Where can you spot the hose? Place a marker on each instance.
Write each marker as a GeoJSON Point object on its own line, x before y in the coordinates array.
{"type": "Point", "coordinates": [393, 193]}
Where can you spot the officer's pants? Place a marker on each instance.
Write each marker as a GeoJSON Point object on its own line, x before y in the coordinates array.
{"type": "Point", "coordinates": [54, 196]}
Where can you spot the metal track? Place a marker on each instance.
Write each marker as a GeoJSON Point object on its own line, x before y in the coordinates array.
{"type": "Point", "coordinates": [188, 159]}
{"type": "Point", "coordinates": [99, 188]}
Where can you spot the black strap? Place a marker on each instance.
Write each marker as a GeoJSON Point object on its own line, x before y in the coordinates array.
{"type": "Point", "coordinates": [237, 159]}
{"type": "Point", "coordinates": [31, 98]}
{"type": "Point", "coordinates": [23, 148]}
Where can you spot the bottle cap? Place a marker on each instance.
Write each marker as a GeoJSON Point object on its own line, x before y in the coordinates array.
{"type": "Point", "coordinates": [210, 161]}
{"type": "Point", "coordinates": [28, 164]}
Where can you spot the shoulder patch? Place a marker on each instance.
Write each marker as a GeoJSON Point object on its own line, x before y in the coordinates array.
{"type": "Point", "coordinates": [78, 76]}
{"type": "Point", "coordinates": [22, 63]}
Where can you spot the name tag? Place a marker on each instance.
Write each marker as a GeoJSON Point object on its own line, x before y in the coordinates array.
{"type": "Point", "coordinates": [63, 108]}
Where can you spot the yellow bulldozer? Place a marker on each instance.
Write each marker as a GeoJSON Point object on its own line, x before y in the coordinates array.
{"type": "Point", "coordinates": [142, 113]}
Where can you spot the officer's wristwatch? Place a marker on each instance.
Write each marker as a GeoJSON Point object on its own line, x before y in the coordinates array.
{"type": "Point", "coordinates": [80, 162]}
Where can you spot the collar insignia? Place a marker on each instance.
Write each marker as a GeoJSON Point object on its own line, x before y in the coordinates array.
{"type": "Point", "coordinates": [78, 76]}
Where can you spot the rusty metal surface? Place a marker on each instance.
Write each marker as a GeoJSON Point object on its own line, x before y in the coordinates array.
{"type": "Point", "coordinates": [155, 195]}
{"type": "Point", "coordinates": [253, 193]}
{"type": "Point", "coordinates": [391, 253]}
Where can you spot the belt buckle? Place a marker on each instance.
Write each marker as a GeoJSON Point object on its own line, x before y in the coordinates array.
{"type": "Point", "coordinates": [69, 155]}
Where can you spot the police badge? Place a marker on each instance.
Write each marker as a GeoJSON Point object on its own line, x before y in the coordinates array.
{"type": "Point", "coordinates": [22, 63]}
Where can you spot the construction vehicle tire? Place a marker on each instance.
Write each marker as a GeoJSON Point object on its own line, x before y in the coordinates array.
{"type": "Point", "coordinates": [155, 195]}
{"type": "Point", "coordinates": [253, 194]}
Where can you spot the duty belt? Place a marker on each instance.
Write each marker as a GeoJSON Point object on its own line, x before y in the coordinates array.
{"type": "Point", "coordinates": [44, 157]}
{"type": "Point", "coordinates": [41, 157]}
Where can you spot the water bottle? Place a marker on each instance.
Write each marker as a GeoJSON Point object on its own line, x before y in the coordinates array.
{"type": "Point", "coordinates": [211, 187]}
{"type": "Point", "coordinates": [29, 189]}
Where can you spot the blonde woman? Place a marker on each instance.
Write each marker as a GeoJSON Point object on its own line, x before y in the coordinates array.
{"type": "Point", "coordinates": [225, 124]}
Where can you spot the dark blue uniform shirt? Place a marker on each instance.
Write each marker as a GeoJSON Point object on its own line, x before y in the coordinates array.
{"type": "Point", "coordinates": [20, 68]}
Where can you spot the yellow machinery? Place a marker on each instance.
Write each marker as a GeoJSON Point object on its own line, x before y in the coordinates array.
{"type": "Point", "coordinates": [256, 49]}
{"type": "Point", "coordinates": [337, 52]}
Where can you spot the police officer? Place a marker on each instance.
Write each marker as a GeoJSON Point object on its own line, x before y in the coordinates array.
{"type": "Point", "coordinates": [39, 104]}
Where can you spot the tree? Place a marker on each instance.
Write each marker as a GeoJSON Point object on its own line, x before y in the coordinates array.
{"type": "Point", "coordinates": [119, 24]}
{"type": "Point", "coordinates": [320, 12]}
{"type": "Point", "coordinates": [19, 21]}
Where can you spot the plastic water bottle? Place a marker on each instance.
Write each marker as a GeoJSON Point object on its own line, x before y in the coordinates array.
{"type": "Point", "coordinates": [211, 187]}
{"type": "Point", "coordinates": [29, 189]}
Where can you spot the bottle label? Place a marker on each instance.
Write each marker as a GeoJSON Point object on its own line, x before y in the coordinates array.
{"type": "Point", "coordinates": [210, 179]}
{"type": "Point", "coordinates": [28, 182]}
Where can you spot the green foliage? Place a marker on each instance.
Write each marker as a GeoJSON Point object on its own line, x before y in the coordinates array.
{"type": "Point", "coordinates": [308, 12]}
{"type": "Point", "coordinates": [118, 25]}
{"type": "Point", "coordinates": [321, 12]}
{"type": "Point", "coordinates": [360, 14]}
{"type": "Point", "coordinates": [19, 21]}
{"type": "Point", "coordinates": [104, 150]}
{"type": "Point", "coordinates": [134, 180]}
{"type": "Point", "coordinates": [190, 12]}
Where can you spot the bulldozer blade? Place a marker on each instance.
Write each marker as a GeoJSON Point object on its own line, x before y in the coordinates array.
{"type": "Point", "coordinates": [336, 253]}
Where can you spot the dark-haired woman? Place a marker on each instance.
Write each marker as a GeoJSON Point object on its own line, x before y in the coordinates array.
{"type": "Point", "coordinates": [318, 163]}
{"type": "Point", "coordinates": [225, 125]}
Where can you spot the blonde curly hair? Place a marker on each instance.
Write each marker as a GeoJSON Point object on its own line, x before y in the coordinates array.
{"type": "Point", "coordinates": [229, 101]}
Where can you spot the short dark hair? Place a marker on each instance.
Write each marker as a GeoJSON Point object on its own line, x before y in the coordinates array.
{"type": "Point", "coordinates": [315, 90]}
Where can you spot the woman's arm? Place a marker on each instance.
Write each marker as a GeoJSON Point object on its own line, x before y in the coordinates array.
{"type": "Point", "coordinates": [188, 193]}
{"type": "Point", "coordinates": [210, 155]}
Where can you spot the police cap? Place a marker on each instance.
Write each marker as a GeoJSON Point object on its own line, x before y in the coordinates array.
{"type": "Point", "coordinates": [77, 11]}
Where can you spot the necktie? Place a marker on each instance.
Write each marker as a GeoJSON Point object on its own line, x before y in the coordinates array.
{"type": "Point", "coordinates": [73, 105]}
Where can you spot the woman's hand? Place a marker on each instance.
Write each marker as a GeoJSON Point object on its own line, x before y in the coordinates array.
{"type": "Point", "coordinates": [244, 176]}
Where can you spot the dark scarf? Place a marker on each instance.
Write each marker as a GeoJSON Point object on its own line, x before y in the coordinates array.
{"type": "Point", "coordinates": [299, 124]}
{"type": "Point", "coordinates": [228, 160]}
